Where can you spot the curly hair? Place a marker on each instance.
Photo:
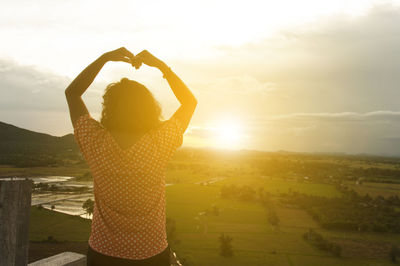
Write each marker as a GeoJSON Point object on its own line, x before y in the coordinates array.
{"type": "Point", "coordinates": [129, 107]}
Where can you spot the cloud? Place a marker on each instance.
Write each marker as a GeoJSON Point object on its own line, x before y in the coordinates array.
{"type": "Point", "coordinates": [336, 79]}
{"type": "Point", "coordinates": [34, 99]}
{"type": "Point", "coordinates": [371, 132]}
{"type": "Point", "coordinates": [200, 132]}
{"type": "Point", "coordinates": [333, 64]}
{"type": "Point", "coordinates": [30, 88]}
{"type": "Point", "coordinates": [26, 87]}
{"type": "Point", "coordinates": [342, 117]}
{"type": "Point", "coordinates": [240, 84]}
{"type": "Point", "coordinates": [329, 85]}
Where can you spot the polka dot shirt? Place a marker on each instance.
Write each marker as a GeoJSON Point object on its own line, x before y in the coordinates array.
{"type": "Point", "coordinates": [129, 188]}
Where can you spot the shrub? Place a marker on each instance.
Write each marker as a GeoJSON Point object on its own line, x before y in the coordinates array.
{"type": "Point", "coordinates": [88, 205]}
{"type": "Point", "coordinates": [321, 243]}
{"type": "Point", "coordinates": [394, 253]}
{"type": "Point", "coordinates": [225, 245]}
{"type": "Point", "coordinates": [171, 232]}
{"type": "Point", "coordinates": [272, 217]}
{"type": "Point", "coordinates": [215, 210]}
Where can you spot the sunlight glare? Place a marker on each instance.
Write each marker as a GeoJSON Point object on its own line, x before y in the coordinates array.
{"type": "Point", "coordinates": [229, 134]}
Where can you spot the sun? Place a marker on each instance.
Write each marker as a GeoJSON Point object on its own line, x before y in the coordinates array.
{"type": "Point", "coordinates": [229, 134]}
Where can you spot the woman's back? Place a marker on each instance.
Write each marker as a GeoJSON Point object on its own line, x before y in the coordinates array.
{"type": "Point", "coordinates": [129, 187]}
{"type": "Point", "coordinates": [125, 140]}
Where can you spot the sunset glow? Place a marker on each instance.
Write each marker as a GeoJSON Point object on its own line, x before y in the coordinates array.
{"type": "Point", "coordinates": [268, 61]}
{"type": "Point", "coordinates": [212, 132]}
{"type": "Point", "coordinates": [229, 134]}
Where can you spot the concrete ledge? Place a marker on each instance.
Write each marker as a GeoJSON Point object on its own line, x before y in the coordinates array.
{"type": "Point", "coordinates": [76, 259]}
{"type": "Point", "coordinates": [62, 259]}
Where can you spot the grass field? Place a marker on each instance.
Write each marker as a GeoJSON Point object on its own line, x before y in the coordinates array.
{"type": "Point", "coordinates": [255, 242]}
{"type": "Point", "coordinates": [278, 185]}
{"type": "Point", "coordinates": [197, 179]}
{"type": "Point", "coordinates": [374, 189]}
{"type": "Point", "coordinates": [77, 170]}
{"type": "Point", "coordinates": [62, 227]}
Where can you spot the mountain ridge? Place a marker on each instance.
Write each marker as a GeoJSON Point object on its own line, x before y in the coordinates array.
{"type": "Point", "coordinates": [23, 147]}
{"type": "Point", "coordinates": [9, 127]}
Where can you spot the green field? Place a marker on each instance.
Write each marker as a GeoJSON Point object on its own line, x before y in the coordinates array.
{"type": "Point", "coordinates": [75, 170]}
{"type": "Point", "coordinates": [197, 180]}
{"type": "Point", "coordinates": [255, 241]}
{"type": "Point", "coordinates": [61, 227]}
{"type": "Point", "coordinates": [375, 189]}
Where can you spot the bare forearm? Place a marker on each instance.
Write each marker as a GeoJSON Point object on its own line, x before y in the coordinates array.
{"type": "Point", "coordinates": [80, 84]}
{"type": "Point", "coordinates": [181, 91]}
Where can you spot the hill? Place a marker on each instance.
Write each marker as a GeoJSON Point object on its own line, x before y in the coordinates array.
{"type": "Point", "coordinates": [22, 147]}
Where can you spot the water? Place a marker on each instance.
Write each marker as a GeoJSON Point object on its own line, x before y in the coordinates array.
{"type": "Point", "coordinates": [50, 179]}
{"type": "Point", "coordinates": [71, 202]}
{"type": "Point", "coordinates": [71, 206]}
{"type": "Point", "coordinates": [65, 202]}
{"type": "Point", "coordinates": [68, 203]}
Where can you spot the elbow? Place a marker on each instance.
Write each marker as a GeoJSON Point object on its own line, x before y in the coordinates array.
{"type": "Point", "coordinates": [69, 93]}
{"type": "Point", "coordinates": [193, 102]}
{"type": "Point", "coordinates": [189, 102]}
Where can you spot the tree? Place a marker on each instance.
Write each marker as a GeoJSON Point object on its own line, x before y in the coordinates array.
{"type": "Point", "coordinates": [336, 250]}
{"type": "Point", "coordinates": [225, 245]}
{"type": "Point", "coordinates": [272, 217]}
{"type": "Point", "coordinates": [215, 210]}
{"type": "Point", "coordinates": [394, 253]}
{"type": "Point", "coordinates": [86, 177]}
{"type": "Point", "coordinates": [321, 243]}
{"type": "Point", "coordinates": [171, 231]}
{"type": "Point", "coordinates": [88, 206]}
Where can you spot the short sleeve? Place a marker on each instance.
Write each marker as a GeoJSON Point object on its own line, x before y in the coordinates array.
{"type": "Point", "coordinates": [86, 130]}
{"type": "Point", "coordinates": [170, 137]}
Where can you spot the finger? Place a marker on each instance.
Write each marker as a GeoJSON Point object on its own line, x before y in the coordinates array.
{"type": "Point", "coordinates": [127, 53]}
{"type": "Point", "coordinates": [125, 59]}
{"type": "Point", "coordinates": [134, 63]}
{"type": "Point", "coordinates": [139, 59]}
{"type": "Point", "coordinates": [137, 62]}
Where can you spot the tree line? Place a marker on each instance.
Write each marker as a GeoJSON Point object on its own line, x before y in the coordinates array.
{"type": "Point", "coordinates": [351, 211]}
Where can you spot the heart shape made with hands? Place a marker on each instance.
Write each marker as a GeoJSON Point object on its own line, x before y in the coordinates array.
{"type": "Point", "coordinates": [145, 57]}
{"type": "Point", "coordinates": [137, 62]}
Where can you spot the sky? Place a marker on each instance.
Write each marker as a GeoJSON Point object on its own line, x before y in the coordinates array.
{"type": "Point", "coordinates": [303, 76]}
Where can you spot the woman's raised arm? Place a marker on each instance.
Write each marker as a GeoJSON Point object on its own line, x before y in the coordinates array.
{"type": "Point", "coordinates": [80, 84]}
{"type": "Point", "coordinates": [182, 93]}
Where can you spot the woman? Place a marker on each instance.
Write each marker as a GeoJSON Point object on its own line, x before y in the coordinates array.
{"type": "Point", "coordinates": [127, 152]}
